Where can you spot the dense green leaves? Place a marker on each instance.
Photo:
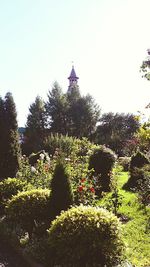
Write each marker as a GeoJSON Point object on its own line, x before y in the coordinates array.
{"type": "Point", "coordinates": [28, 209]}
{"type": "Point", "coordinates": [85, 236]}
{"type": "Point", "coordinates": [61, 192]}
{"type": "Point", "coordinates": [35, 127]}
{"type": "Point", "coordinates": [102, 161]}
{"type": "Point", "coordinates": [116, 129]}
{"type": "Point", "coordinates": [9, 139]}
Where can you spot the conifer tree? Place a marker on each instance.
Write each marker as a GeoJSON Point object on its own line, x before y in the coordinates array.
{"type": "Point", "coordinates": [56, 108]}
{"type": "Point", "coordinates": [10, 147]}
{"type": "Point", "coordinates": [61, 192]}
{"type": "Point", "coordinates": [35, 127]}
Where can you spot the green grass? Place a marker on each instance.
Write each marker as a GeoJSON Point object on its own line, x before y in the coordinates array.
{"type": "Point", "coordinates": [136, 232]}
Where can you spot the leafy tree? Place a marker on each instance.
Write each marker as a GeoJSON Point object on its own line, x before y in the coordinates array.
{"type": "Point", "coordinates": [61, 192]}
{"type": "Point", "coordinates": [143, 137]}
{"type": "Point", "coordinates": [73, 93]}
{"type": "Point", "coordinates": [56, 108]}
{"type": "Point", "coordinates": [115, 129]}
{"type": "Point", "coordinates": [71, 113]}
{"type": "Point", "coordinates": [35, 127]}
{"type": "Point", "coordinates": [10, 148]}
{"type": "Point", "coordinates": [145, 69]}
{"type": "Point", "coordinates": [84, 115]}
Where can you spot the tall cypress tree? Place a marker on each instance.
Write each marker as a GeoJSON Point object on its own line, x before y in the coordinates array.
{"type": "Point", "coordinates": [61, 192]}
{"type": "Point", "coordinates": [10, 138]}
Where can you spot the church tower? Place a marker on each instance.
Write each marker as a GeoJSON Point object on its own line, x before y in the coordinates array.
{"type": "Point", "coordinates": [73, 79]}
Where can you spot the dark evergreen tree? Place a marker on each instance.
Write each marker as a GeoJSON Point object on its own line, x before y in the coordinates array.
{"type": "Point", "coordinates": [71, 113]}
{"type": "Point", "coordinates": [56, 108]}
{"type": "Point", "coordinates": [84, 115]}
{"type": "Point", "coordinates": [10, 148]}
{"type": "Point", "coordinates": [35, 128]}
{"type": "Point", "coordinates": [61, 192]}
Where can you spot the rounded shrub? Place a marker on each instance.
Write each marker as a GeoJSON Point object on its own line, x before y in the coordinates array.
{"type": "Point", "coordinates": [85, 236]}
{"type": "Point", "coordinates": [8, 188]}
{"type": "Point", "coordinates": [28, 209]}
{"type": "Point", "coordinates": [102, 161]}
{"type": "Point", "coordinates": [138, 160]}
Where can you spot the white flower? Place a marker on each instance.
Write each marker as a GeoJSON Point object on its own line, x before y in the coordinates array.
{"type": "Point", "coordinates": [42, 156]}
{"type": "Point", "coordinates": [33, 169]}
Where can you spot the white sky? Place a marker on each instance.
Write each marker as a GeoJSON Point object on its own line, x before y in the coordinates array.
{"type": "Point", "coordinates": [106, 39]}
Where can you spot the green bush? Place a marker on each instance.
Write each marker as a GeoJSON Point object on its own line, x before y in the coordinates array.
{"type": "Point", "coordinates": [29, 209]}
{"type": "Point", "coordinates": [59, 142]}
{"type": "Point", "coordinates": [67, 145]}
{"type": "Point", "coordinates": [102, 161]}
{"type": "Point", "coordinates": [138, 160]}
{"type": "Point", "coordinates": [8, 188]}
{"type": "Point", "coordinates": [61, 193]}
{"type": "Point", "coordinates": [139, 181]}
{"type": "Point", "coordinates": [85, 236]}
{"type": "Point", "coordinates": [143, 185]}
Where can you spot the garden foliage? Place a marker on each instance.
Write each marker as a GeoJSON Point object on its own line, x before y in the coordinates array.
{"type": "Point", "coordinates": [85, 236]}
{"type": "Point", "coordinates": [102, 161]}
{"type": "Point", "coordinates": [138, 161]}
{"type": "Point", "coordinates": [29, 209]}
{"type": "Point", "coordinates": [61, 192]}
{"type": "Point", "coordinates": [8, 188]}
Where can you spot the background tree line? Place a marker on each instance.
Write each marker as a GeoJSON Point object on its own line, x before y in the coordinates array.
{"type": "Point", "coordinates": [75, 115]}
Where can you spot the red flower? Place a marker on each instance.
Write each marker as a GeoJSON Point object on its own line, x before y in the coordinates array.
{"type": "Point", "coordinates": [92, 189]}
{"type": "Point", "coordinates": [83, 180]}
{"type": "Point", "coordinates": [80, 188]}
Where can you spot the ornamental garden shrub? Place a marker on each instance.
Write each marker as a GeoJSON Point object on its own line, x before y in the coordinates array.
{"type": "Point", "coordinates": [29, 209]}
{"type": "Point", "coordinates": [102, 161]}
{"type": "Point", "coordinates": [8, 188]}
{"type": "Point", "coordinates": [59, 142]}
{"type": "Point", "coordinates": [143, 185]}
{"type": "Point", "coordinates": [61, 192]}
{"type": "Point", "coordinates": [85, 236]}
{"type": "Point", "coordinates": [138, 161]}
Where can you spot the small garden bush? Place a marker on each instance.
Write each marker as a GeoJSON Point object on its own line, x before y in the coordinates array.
{"type": "Point", "coordinates": [8, 188]}
{"type": "Point", "coordinates": [29, 209]}
{"type": "Point", "coordinates": [138, 160]}
{"type": "Point", "coordinates": [143, 185]}
{"type": "Point", "coordinates": [85, 236]}
{"type": "Point", "coordinates": [61, 192]}
{"type": "Point", "coordinates": [102, 161]}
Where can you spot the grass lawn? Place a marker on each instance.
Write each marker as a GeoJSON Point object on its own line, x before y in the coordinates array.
{"type": "Point", "coordinates": [136, 231]}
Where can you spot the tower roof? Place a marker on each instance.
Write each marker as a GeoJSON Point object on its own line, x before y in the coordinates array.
{"type": "Point", "coordinates": [73, 74]}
